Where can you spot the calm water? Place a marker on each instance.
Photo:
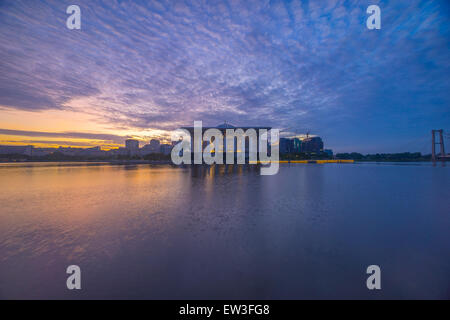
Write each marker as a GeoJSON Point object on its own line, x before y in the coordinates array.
{"type": "Point", "coordinates": [143, 231]}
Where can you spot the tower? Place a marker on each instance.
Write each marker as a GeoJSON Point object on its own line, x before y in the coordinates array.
{"type": "Point", "coordinates": [434, 143]}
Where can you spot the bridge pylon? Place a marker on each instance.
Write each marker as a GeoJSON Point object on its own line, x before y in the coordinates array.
{"type": "Point", "coordinates": [434, 143]}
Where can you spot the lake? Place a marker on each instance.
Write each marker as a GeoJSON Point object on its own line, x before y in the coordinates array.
{"type": "Point", "coordinates": [224, 232]}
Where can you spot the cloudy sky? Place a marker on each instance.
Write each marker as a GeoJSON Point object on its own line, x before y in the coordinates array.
{"type": "Point", "coordinates": [143, 68]}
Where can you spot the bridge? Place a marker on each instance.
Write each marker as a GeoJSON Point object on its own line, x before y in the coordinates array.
{"type": "Point", "coordinates": [441, 156]}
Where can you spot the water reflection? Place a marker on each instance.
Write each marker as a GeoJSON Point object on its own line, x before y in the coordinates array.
{"type": "Point", "coordinates": [201, 171]}
{"type": "Point", "coordinates": [223, 231]}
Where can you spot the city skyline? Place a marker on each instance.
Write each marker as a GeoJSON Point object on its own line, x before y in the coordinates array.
{"type": "Point", "coordinates": [141, 143]}
{"type": "Point", "coordinates": [141, 69]}
{"type": "Point", "coordinates": [118, 140]}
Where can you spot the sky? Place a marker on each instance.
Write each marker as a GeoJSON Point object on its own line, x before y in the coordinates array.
{"type": "Point", "coordinates": [140, 69]}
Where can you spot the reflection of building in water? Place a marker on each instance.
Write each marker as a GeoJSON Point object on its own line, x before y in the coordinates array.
{"type": "Point", "coordinates": [245, 147]}
{"type": "Point", "coordinates": [215, 170]}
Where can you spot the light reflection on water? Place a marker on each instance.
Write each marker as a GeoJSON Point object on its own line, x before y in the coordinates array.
{"type": "Point", "coordinates": [143, 231]}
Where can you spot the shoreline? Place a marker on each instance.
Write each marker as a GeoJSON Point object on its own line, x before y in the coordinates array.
{"type": "Point", "coordinates": [125, 162]}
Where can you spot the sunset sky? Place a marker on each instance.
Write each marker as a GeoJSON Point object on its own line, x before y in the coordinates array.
{"type": "Point", "coordinates": [143, 68]}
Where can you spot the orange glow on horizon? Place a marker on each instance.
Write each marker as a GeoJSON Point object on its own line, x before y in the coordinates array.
{"type": "Point", "coordinates": [53, 122]}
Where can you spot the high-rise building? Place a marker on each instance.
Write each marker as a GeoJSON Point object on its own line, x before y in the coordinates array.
{"type": "Point", "coordinates": [285, 145]}
{"type": "Point", "coordinates": [166, 149]}
{"type": "Point", "coordinates": [154, 144]}
{"type": "Point", "coordinates": [132, 147]}
{"type": "Point", "coordinates": [131, 144]}
{"type": "Point", "coordinates": [296, 145]}
{"type": "Point", "coordinates": [312, 144]}
{"type": "Point", "coordinates": [237, 149]}
{"type": "Point", "coordinates": [152, 147]}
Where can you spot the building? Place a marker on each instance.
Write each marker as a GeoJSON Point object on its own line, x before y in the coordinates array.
{"type": "Point", "coordinates": [121, 151]}
{"type": "Point", "coordinates": [223, 128]}
{"type": "Point", "coordinates": [131, 144]}
{"type": "Point", "coordinates": [132, 147]}
{"type": "Point", "coordinates": [81, 152]}
{"type": "Point", "coordinates": [42, 152]}
{"type": "Point", "coordinates": [23, 150]}
{"type": "Point", "coordinates": [286, 145]}
{"type": "Point", "coordinates": [296, 145]}
{"type": "Point", "coordinates": [155, 144]}
{"type": "Point", "coordinates": [306, 145]}
{"type": "Point", "coordinates": [165, 149]}
{"type": "Point", "coordinates": [152, 147]}
{"type": "Point", "coordinates": [312, 145]}
{"type": "Point", "coordinates": [329, 152]}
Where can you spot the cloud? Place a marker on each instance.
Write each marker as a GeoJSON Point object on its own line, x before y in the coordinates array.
{"type": "Point", "coordinates": [304, 64]}
{"type": "Point", "coordinates": [75, 135]}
